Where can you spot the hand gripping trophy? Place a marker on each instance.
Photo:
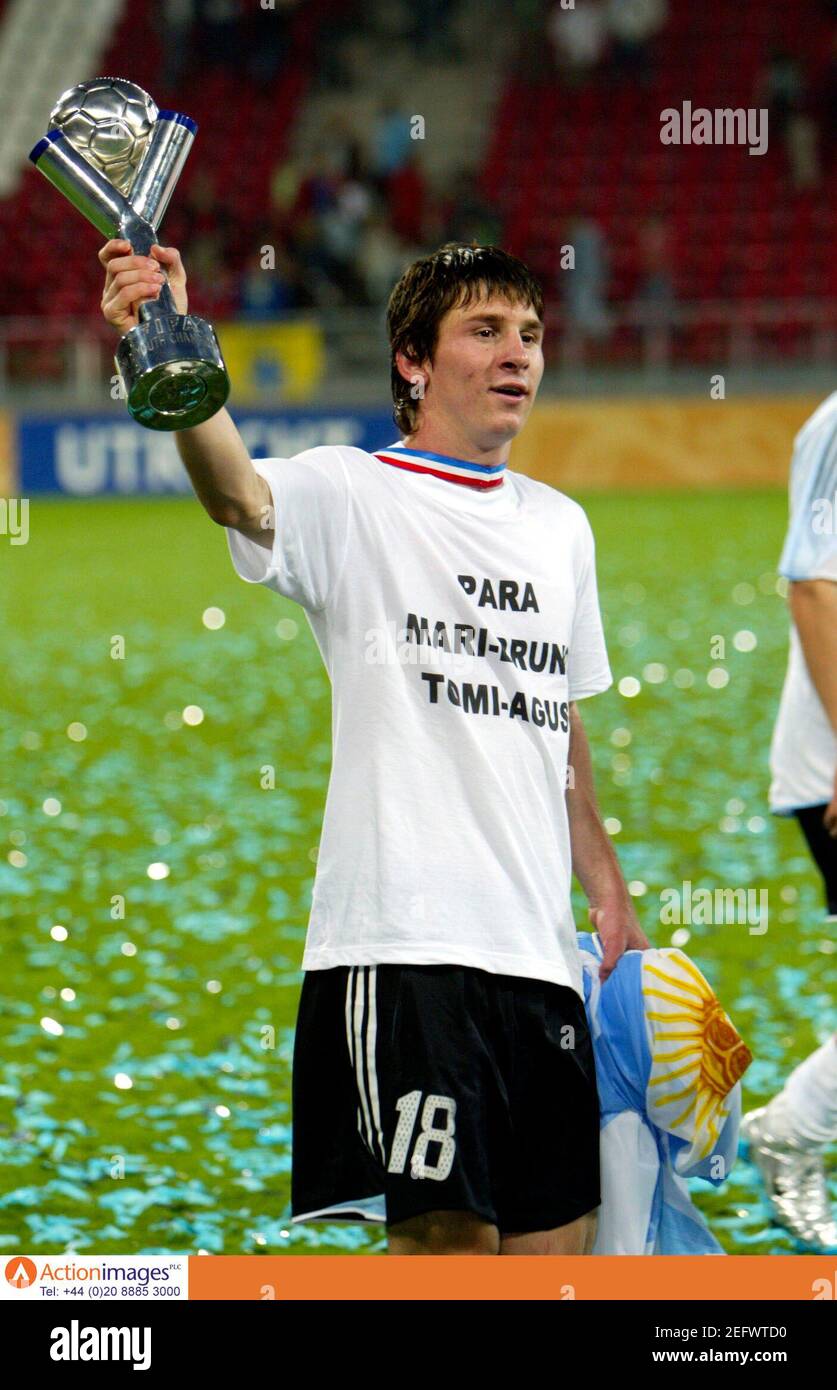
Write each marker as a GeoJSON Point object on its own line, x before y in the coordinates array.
{"type": "Point", "coordinates": [117, 159]}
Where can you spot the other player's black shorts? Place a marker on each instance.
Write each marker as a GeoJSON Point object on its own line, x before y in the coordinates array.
{"type": "Point", "coordinates": [444, 1087]}
{"type": "Point", "coordinates": [824, 850]}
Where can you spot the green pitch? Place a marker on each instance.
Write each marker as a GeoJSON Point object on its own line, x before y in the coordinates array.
{"type": "Point", "coordinates": [146, 1048]}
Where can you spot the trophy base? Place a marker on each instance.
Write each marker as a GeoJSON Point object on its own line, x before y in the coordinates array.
{"type": "Point", "coordinates": [173, 372]}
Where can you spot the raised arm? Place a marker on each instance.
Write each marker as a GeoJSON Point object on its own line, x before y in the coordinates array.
{"type": "Point", "coordinates": [213, 454]}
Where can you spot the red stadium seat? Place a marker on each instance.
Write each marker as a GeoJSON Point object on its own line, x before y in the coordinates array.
{"type": "Point", "coordinates": [738, 230]}
{"type": "Point", "coordinates": [233, 120]}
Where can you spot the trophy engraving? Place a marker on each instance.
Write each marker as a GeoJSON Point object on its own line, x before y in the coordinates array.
{"type": "Point", "coordinates": [117, 159]}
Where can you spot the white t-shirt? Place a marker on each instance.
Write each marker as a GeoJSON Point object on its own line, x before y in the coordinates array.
{"type": "Point", "coordinates": [455, 626]}
{"type": "Point", "coordinates": [803, 754]}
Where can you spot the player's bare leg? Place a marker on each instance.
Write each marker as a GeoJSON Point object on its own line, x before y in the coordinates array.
{"type": "Point", "coordinates": [443, 1233]}
{"type": "Point", "coordinates": [463, 1233]}
{"type": "Point", "coordinates": [576, 1238]}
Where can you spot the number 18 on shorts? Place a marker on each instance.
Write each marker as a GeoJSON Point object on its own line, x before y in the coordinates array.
{"type": "Point", "coordinates": [443, 1087]}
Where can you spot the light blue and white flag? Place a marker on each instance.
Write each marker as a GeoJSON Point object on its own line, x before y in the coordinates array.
{"type": "Point", "coordinates": [668, 1068]}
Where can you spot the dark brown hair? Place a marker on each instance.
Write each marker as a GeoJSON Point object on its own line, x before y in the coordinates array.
{"type": "Point", "coordinates": [448, 278]}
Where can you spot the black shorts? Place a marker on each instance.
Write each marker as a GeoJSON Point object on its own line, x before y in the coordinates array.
{"type": "Point", "coordinates": [444, 1088]}
{"type": "Point", "coordinates": [824, 850]}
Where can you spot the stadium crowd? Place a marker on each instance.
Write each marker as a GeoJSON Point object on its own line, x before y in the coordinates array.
{"type": "Point", "coordinates": [341, 225]}
{"type": "Point", "coordinates": [339, 228]}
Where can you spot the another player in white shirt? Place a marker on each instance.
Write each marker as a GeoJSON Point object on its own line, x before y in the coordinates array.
{"type": "Point", "coordinates": [786, 1139]}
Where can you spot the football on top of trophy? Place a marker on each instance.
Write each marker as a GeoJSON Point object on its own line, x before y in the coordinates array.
{"type": "Point", "coordinates": [108, 120]}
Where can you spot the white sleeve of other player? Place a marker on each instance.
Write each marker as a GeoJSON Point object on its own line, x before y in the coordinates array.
{"type": "Point", "coordinates": [310, 533]}
{"type": "Point", "coordinates": [810, 549]}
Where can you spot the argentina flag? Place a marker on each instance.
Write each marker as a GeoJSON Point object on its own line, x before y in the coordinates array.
{"type": "Point", "coordinates": [668, 1068]}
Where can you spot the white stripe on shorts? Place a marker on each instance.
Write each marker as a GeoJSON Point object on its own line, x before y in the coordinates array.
{"type": "Point", "coordinates": [360, 1045]}
{"type": "Point", "coordinates": [371, 1037]}
{"type": "Point", "coordinates": [350, 980]}
{"type": "Point", "coordinates": [349, 983]}
{"type": "Point", "coordinates": [358, 1053]}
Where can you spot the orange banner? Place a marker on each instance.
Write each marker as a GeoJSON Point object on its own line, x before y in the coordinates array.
{"type": "Point", "coordinates": [663, 443]}
{"type": "Point", "coordinates": [801, 1278]}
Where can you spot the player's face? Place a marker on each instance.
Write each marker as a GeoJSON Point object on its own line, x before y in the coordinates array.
{"type": "Point", "coordinates": [486, 369]}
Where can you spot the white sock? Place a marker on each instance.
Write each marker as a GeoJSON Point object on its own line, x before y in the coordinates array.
{"type": "Point", "coordinates": [806, 1109]}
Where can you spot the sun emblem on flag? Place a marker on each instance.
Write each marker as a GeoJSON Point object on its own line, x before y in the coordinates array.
{"type": "Point", "coordinates": [696, 1053]}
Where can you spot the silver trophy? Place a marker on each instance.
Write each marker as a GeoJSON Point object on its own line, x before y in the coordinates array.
{"type": "Point", "coordinates": [117, 158]}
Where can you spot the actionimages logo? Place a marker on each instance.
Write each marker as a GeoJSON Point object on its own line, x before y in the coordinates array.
{"type": "Point", "coordinates": [20, 1272]}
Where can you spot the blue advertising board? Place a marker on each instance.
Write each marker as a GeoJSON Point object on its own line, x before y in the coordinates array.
{"type": "Point", "coordinates": [88, 455]}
